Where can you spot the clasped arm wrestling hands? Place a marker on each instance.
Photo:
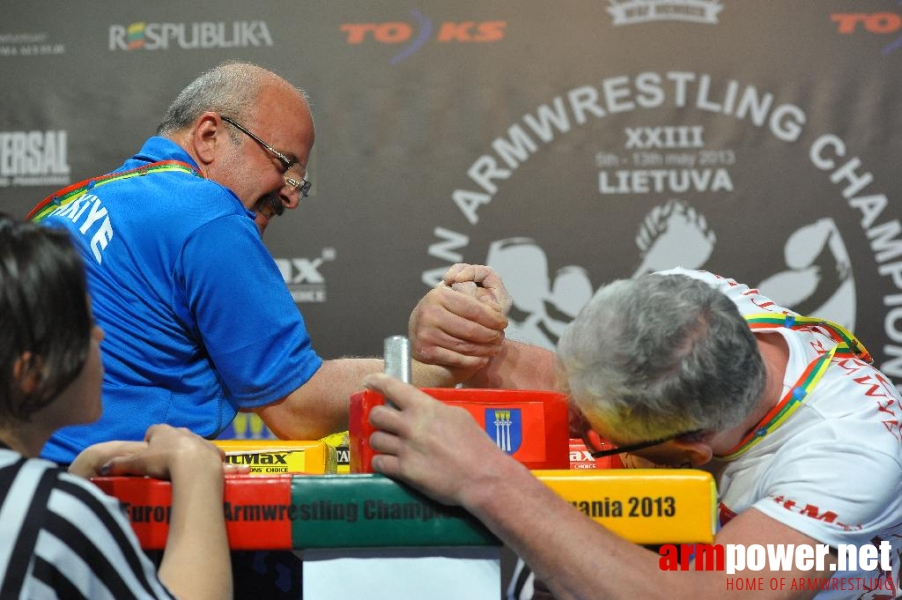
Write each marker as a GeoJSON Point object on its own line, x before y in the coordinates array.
{"type": "Point", "coordinates": [460, 323]}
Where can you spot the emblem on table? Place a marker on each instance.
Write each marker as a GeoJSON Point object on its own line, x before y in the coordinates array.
{"type": "Point", "coordinates": [505, 426]}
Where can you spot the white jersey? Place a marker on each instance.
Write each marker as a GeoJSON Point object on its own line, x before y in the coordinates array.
{"type": "Point", "coordinates": [833, 470]}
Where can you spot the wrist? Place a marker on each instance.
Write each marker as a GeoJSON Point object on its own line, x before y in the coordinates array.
{"type": "Point", "coordinates": [492, 374]}
{"type": "Point", "coordinates": [492, 488]}
{"type": "Point", "coordinates": [425, 375]}
{"type": "Point", "coordinates": [199, 467]}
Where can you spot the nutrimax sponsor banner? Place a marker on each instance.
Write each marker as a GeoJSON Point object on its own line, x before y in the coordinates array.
{"type": "Point", "coordinates": [566, 144]}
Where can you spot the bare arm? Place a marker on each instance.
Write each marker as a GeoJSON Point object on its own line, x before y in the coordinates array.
{"type": "Point", "coordinates": [320, 406]}
{"type": "Point", "coordinates": [574, 557]}
{"type": "Point", "coordinates": [196, 563]}
{"type": "Point", "coordinates": [518, 366]}
{"type": "Point", "coordinates": [472, 308]}
{"type": "Point", "coordinates": [554, 538]}
{"type": "Point", "coordinates": [90, 462]}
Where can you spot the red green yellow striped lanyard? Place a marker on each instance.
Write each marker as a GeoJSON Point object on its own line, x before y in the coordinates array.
{"type": "Point", "coordinates": [846, 345]}
{"type": "Point", "coordinates": [77, 190]}
{"type": "Point", "coordinates": [846, 342]}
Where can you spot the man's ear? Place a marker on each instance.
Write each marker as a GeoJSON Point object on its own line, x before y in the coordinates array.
{"type": "Point", "coordinates": [698, 453]}
{"type": "Point", "coordinates": [28, 372]}
{"type": "Point", "coordinates": [207, 137]}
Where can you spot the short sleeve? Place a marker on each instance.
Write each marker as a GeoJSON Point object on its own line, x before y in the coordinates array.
{"type": "Point", "coordinates": [244, 314]}
{"type": "Point", "coordinates": [834, 492]}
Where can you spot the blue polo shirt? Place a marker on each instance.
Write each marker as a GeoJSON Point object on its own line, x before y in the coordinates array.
{"type": "Point", "coordinates": [198, 320]}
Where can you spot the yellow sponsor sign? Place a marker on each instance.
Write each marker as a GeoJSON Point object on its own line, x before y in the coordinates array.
{"type": "Point", "coordinates": [339, 441]}
{"type": "Point", "coordinates": [645, 506]}
{"type": "Point", "coordinates": [277, 457]}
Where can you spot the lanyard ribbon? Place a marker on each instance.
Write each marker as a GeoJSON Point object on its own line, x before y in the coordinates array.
{"type": "Point", "coordinates": [75, 191]}
{"type": "Point", "coordinates": [846, 345]}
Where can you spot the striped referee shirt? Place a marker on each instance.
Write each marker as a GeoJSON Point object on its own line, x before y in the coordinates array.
{"type": "Point", "coordinates": [61, 537]}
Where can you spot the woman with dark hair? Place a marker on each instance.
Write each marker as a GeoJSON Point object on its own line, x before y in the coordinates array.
{"type": "Point", "coordinates": [59, 535]}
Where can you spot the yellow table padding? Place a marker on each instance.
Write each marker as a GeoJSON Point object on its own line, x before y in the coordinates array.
{"type": "Point", "coordinates": [645, 506]}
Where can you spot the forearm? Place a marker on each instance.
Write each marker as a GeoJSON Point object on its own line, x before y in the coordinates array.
{"type": "Point", "coordinates": [432, 375]}
{"type": "Point", "coordinates": [320, 406]}
{"type": "Point", "coordinates": [580, 559]}
{"type": "Point", "coordinates": [575, 558]}
{"type": "Point", "coordinates": [518, 366]}
{"type": "Point", "coordinates": [197, 563]}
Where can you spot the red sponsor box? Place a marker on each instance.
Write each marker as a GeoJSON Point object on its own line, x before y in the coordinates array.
{"type": "Point", "coordinates": [256, 508]}
{"type": "Point", "coordinates": [531, 426]}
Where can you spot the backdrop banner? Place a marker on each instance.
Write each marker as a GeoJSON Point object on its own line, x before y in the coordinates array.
{"type": "Point", "coordinates": [564, 143]}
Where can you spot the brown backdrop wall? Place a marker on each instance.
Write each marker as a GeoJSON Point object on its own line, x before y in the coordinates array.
{"type": "Point", "coordinates": [565, 143]}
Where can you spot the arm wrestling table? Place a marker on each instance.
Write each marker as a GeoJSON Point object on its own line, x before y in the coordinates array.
{"type": "Point", "coordinates": [363, 535]}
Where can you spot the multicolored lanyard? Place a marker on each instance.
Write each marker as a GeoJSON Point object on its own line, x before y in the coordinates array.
{"type": "Point", "coordinates": [77, 190]}
{"type": "Point", "coordinates": [846, 345]}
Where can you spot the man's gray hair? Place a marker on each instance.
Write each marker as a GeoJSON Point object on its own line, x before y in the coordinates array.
{"type": "Point", "coordinates": [230, 89]}
{"type": "Point", "coordinates": [660, 355]}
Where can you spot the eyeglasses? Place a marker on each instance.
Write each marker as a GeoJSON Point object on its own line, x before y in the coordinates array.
{"type": "Point", "coordinates": [302, 186]}
{"type": "Point", "coordinates": [600, 448]}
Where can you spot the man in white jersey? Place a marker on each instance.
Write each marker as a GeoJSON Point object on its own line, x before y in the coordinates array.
{"type": "Point", "coordinates": [677, 369]}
